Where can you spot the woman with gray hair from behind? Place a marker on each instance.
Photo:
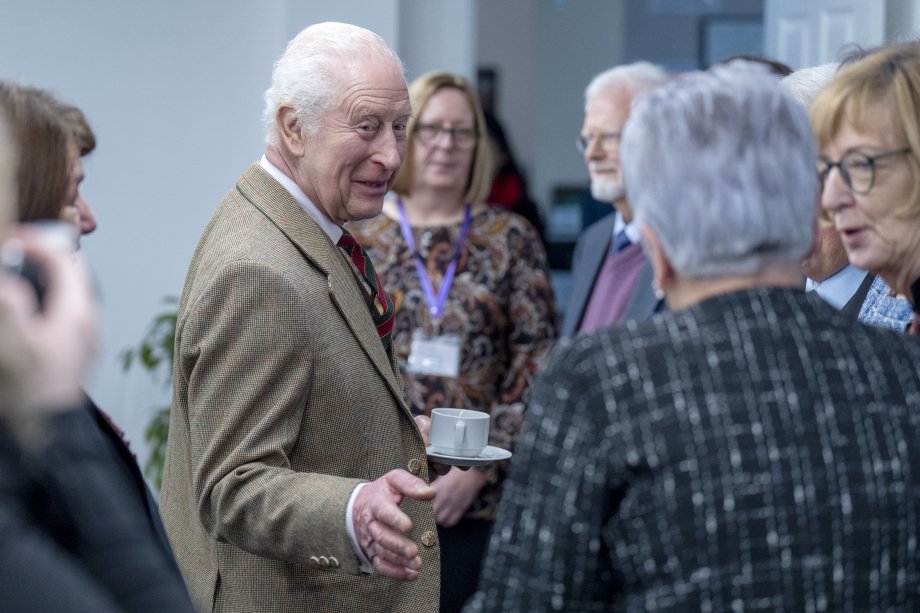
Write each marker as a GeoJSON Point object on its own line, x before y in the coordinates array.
{"type": "Point", "coordinates": [712, 458]}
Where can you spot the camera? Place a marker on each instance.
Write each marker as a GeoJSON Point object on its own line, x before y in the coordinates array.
{"type": "Point", "coordinates": [15, 262]}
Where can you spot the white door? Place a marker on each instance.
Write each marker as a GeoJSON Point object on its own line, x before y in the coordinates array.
{"type": "Point", "coordinates": [809, 32]}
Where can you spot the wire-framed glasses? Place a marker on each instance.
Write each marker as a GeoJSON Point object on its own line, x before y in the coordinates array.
{"type": "Point", "coordinates": [429, 133]}
{"type": "Point", "coordinates": [856, 169]}
{"type": "Point", "coordinates": [607, 140]}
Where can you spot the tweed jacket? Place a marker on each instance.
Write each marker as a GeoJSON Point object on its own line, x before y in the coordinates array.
{"type": "Point", "coordinates": [587, 261]}
{"type": "Point", "coordinates": [284, 400]}
{"type": "Point", "coordinates": [880, 308]}
{"type": "Point", "coordinates": [755, 452]}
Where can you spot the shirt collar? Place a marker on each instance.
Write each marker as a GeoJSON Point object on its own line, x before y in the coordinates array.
{"type": "Point", "coordinates": [838, 288]}
{"type": "Point", "coordinates": [329, 227]}
{"type": "Point", "coordinates": [631, 229]}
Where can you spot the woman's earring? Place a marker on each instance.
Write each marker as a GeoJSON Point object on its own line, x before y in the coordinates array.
{"type": "Point", "coordinates": [656, 289]}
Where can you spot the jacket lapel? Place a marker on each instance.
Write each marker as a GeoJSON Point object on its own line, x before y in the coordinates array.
{"type": "Point", "coordinates": [642, 303]}
{"type": "Point", "coordinates": [593, 251]}
{"type": "Point", "coordinates": [345, 290]}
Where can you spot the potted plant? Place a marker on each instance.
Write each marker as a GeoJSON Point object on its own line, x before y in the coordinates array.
{"type": "Point", "coordinates": [154, 354]}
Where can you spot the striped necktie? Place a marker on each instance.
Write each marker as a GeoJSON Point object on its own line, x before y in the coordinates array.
{"type": "Point", "coordinates": [382, 311]}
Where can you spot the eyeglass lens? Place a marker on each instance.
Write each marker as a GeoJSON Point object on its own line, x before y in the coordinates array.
{"type": "Point", "coordinates": [429, 133]}
{"type": "Point", "coordinates": [607, 141]}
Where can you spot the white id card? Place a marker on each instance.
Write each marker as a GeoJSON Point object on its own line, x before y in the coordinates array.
{"type": "Point", "coordinates": [435, 355]}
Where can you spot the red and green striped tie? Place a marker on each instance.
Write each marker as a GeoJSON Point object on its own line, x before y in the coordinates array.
{"type": "Point", "coordinates": [382, 311]}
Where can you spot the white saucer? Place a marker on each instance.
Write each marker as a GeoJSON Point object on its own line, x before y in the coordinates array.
{"type": "Point", "coordinates": [489, 454]}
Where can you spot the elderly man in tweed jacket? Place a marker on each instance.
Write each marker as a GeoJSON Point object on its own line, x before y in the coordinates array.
{"type": "Point", "coordinates": [296, 477]}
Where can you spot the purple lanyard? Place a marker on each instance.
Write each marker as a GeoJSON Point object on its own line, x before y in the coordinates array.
{"type": "Point", "coordinates": [435, 305]}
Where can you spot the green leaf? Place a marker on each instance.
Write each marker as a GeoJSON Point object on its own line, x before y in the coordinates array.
{"type": "Point", "coordinates": [154, 354]}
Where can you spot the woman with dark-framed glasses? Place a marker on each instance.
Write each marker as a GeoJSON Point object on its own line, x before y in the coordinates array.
{"type": "Point", "coordinates": [867, 125]}
{"type": "Point", "coordinates": [474, 305]}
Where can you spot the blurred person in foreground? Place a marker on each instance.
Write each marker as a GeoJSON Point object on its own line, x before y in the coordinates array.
{"type": "Point", "coordinates": [715, 458]}
{"type": "Point", "coordinates": [611, 277]}
{"type": "Point", "coordinates": [39, 200]}
{"type": "Point", "coordinates": [81, 483]}
{"type": "Point", "coordinates": [296, 477]}
{"type": "Point", "coordinates": [472, 294]}
{"type": "Point", "coordinates": [858, 294]}
{"type": "Point", "coordinates": [868, 134]}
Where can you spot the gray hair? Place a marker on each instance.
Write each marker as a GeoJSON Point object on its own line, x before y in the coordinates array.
{"type": "Point", "coordinates": [307, 76]}
{"type": "Point", "coordinates": [721, 166]}
{"type": "Point", "coordinates": [638, 77]}
{"type": "Point", "coordinates": [805, 83]}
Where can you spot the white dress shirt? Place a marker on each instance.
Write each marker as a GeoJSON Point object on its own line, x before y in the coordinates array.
{"type": "Point", "coordinates": [839, 288]}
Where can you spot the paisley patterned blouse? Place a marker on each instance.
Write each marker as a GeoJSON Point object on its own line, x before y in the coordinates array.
{"type": "Point", "coordinates": [500, 306]}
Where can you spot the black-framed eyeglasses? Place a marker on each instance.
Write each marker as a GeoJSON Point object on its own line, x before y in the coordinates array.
{"type": "Point", "coordinates": [856, 168]}
{"type": "Point", "coordinates": [429, 133]}
{"type": "Point", "coordinates": [608, 141]}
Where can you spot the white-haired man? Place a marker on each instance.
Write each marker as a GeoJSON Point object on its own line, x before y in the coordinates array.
{"type": "Point", "coordinates": [294, 467]}
{"type": "Point", "coordinates": [860, 295]}
{"type": "Point", "coordinates": [611, 277]}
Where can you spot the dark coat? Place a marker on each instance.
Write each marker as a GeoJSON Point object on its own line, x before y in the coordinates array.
{"type": "Point", "coordinates": [755, 451]}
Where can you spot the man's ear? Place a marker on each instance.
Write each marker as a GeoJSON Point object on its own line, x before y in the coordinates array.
{"type": "Point", "coordinates": [289, 132]}
{"type": "Point", "coordinates": [664, 272]}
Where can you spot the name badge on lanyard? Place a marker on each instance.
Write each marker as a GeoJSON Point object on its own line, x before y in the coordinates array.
{"type": "Point", "coordinates": [433, 354]}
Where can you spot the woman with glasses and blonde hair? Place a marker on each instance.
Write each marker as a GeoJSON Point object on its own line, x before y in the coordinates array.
{"type": "Point", "coordinates": [868, 134]}
{"type": "Point", "coordinates": [474, 305]}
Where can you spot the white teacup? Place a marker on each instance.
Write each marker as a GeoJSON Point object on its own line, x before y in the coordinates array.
{"type": "Point", "coordinates": [459, 432]}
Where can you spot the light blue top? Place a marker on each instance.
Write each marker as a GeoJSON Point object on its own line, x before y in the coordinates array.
{"type": "Point", "coordinates": [883, 310]}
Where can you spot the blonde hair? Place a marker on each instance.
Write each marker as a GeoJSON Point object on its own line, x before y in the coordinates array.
{"type": "Point", "coordinates": [884, 84]}
{"type": "Point", "coordinates": [420, 92]}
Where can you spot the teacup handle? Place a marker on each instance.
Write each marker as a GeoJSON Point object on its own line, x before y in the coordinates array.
{"type": "Point", "coordinates": [459, 431]}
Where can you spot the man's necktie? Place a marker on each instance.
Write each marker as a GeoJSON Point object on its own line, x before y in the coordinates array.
{"type": "Point", "coordinates": [621, 241]}
{"type": "Point", "coordinates": [382, 311]}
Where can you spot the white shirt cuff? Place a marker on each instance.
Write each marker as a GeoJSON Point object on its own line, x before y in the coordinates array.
{"type": "Point", "coordinates": [366, 566]}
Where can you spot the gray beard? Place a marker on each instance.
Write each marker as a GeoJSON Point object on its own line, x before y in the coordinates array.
{"type": "Point", "coordinates": [606, 190]}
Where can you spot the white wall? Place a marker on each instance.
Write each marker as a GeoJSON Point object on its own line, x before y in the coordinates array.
{"type": "Point", "coordinates": [438, 35]}
{"type": "Point", "coordinates": [173, 90]}
{"type": "Point", "coordinates": [575, 40]}
{"type": "Point", "coordinates": [507, 32]}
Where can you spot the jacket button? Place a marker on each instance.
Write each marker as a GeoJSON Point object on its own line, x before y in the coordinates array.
{"type": "Point", "coordinates": [415, 466]}
{"type": "Point", "coordinates": [324, 561]}
{"type": "Point", "coordinates": [333, 562]}
{"type": "Point", "coordinates": [428, 538]}
{"type": "Point", "coordinates": [314, 560]}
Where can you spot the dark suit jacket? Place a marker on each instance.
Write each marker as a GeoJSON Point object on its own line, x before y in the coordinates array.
{"type": "Point", "coordinates": [283, 401]}
{"type": "Point", "coordinates": [125, 464]}
{"type": "Point", "coordinates": [854, 305]}
{"type": "Point", "coordinates": [590, 251]}
{"type": "Point", "coordinates": [756, 451]}
{"type": "Point", "coordinates": [75, 534]}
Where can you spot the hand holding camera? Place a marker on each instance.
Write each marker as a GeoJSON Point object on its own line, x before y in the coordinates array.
{"type": "Point", "coordinates": [45, 294]}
